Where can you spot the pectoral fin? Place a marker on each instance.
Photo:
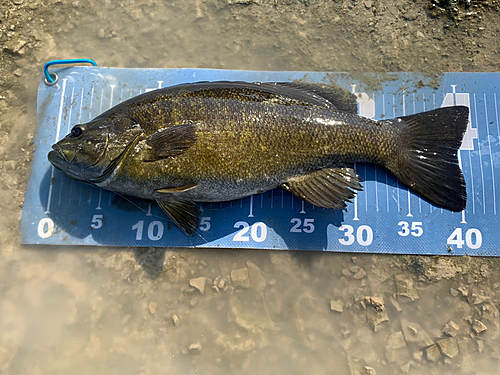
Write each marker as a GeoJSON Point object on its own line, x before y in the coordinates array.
{"type": "Point", "coordinates": [171, 141]}
{"type": "Point", "coordinates": [328, 188]}
{"type": "Point", "coordinates": [183, 213]}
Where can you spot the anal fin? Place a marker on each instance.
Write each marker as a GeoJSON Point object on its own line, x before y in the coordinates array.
{"type": "Point", "coordinates": [328, 188]}
{"type": "Point", "coordinates": [182, 212]}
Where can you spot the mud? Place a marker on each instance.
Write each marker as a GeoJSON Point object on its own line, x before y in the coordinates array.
{"type": "Point", "coordinates": [97, 310]}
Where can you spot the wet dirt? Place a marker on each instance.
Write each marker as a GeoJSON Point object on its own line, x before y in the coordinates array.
{"type": "Point", "coordinates": [97, 310]}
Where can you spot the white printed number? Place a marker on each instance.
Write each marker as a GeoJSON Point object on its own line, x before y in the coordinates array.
{"type": "Point", "coordinates": [45, 228]}
{"type": "Point", "coordinates": [308, 226]}
{"type": "Point", "coordinates": [258, 232]}
{"type": "Point", "coordinates": [416, 229]}
{"type": "Point", "coordinates": [97, 221]}
{"type": "Point", "coordinates": [205, 224]}
{"type": "Point", "coordinates": [473, 238]}
{"type": "Point", "coordinates": [155, 230]}
{"type": "Point", "coordinates": [364, 235]}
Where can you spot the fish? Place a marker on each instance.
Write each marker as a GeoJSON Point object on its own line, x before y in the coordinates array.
{"type": "Point", "coordinates": [220, 141]}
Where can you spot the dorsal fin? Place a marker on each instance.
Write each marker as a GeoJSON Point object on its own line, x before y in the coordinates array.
{"type": "Point", "coordinates": [331, 94]}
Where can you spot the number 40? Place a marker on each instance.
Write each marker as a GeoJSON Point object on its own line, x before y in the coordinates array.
{"type": "Point", "coordinates": [456, 238]}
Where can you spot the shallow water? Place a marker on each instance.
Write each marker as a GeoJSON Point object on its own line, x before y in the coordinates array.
{"type": "Point", "coordinates": [102, 311]}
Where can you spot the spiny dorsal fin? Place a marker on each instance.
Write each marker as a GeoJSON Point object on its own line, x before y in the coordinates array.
{"type": "Point", "coordinates": [328, 188]}
{"type": "Point", "coordinates": [331, 96]}
{"type": "Point", "coordinates": [182, 212]}
{"type": "Point", "coordinates": [171, 141]}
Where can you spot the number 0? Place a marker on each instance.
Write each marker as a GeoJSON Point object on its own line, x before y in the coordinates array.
{"type": "Point", "coordinates": [45, 228]}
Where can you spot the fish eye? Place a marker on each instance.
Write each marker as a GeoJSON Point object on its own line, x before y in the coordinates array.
{"type": "Point", "coordinates": [76, 131]}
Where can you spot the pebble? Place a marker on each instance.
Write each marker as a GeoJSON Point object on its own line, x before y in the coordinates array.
{"type": "Point", "coordinates": [199, 283]}
{"type": "Point", "coordinates": [376, 313]}
{"type": "Point", "coordinates": [195, 348]}
{"type": "Point", "coordinates": [476, 299]}
{"type": "Point", "coordinates": [370, 370]}
{"type": "Point", "coordinates": [18, 72]}
{"type": "Point", "coordinates": [152, 307]}
{"type": "Point", "coordinates": [239, 278]}
{"type": "Point", "coordinates": [432, 353]}
{"type": "Point", "coordinates": [405, 368]}
{"type": "Point", "coordinates": [336, 305]}
{"type": "Point", "coordinates": [137, 14]}
{"type": "Point", "coordinates": [478, 326]}
{"type": "Point", "coordinates": [448, 347]}
{"type": "Point", "coordinates": [453, 292]}
{"type": "Point", "coordinates": [451, 329]}
{"type": "Point", "coordinates": [175, 320]}
{"type": "Point", "coordinates": [358, 272]}
{"type": "Point", "coordinates": [480, 346]}
{"type": "Point", "coordinates": [14, 47]}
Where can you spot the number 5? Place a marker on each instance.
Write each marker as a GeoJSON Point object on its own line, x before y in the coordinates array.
{"type": "Point", "coordinates": [97, 221]}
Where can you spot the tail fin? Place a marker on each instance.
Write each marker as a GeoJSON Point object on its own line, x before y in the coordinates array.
{"type": "Point", "coordinates": [429, 164]}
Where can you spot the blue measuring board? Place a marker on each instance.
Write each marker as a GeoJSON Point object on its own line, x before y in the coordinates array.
{"type": "Point", "coordinates": [383, 218]}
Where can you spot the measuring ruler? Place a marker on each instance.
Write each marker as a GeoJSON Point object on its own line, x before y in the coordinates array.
{"type": "Point", "coordinates": [383, 218]}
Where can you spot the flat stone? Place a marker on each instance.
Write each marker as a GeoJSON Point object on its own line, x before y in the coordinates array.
{"type": "Point", "coordinates": [453, 292]}
{"type": "Point", "coordinates": [195, 348]}
{"type": "Point", "coordinates": [448, 347]}
{"type": "Point", "coordinates": [199, 283]}
{"type": "Point", "coordinates": [239, 278]}
{"type": "Point", "coordinates": [396, 340]}
{"type": "Point", "coordinates": [415, 334]}
{"type": "Point", "coordinates": [451, 329]}
{"type": "Point", "coordinates": [432, 353]}
{"type": "Point", "coordinates": [257, 281]}
{"type": "Point", "coordinates": [18, 72]}
{"type": "Point", "coordinates": [395, 349]}
{"type": "Point", "coordinates": [406, 287]}
{"type": "Point", "coordinates": [337, 305]}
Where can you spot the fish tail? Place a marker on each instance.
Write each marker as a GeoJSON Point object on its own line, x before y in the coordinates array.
{"type": "Point", "coordinates": [428, 162]}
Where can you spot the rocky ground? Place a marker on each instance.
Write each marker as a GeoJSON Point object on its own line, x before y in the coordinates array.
{"type": "Point", "coordinates": [101, 311]}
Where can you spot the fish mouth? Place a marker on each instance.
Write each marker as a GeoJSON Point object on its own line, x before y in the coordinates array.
{"type": "Point", "coordinates": [56, 157]}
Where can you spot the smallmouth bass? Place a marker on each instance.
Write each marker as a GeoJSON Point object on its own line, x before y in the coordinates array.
{"type": "Point", "coordinates": [219, 141]}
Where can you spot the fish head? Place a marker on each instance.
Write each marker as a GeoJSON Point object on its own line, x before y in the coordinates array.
{"type": "Point", "coordinates": [91, 151]}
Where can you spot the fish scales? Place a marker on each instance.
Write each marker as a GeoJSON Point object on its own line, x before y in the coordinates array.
{"type": "Point", "coordinates": [220, 141]}
{"type": "Point", "coordinates": [237, 140]}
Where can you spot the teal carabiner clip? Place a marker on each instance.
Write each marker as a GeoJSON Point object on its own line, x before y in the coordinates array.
{"type": "Point", "coordinates": [52, 78]}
